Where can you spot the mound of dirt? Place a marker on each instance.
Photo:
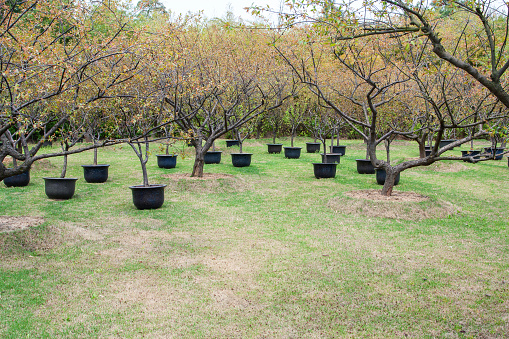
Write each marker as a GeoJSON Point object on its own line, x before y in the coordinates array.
{"type": "Point", "coordinates": [401, 205]}
{"type": "Point", "coordinates": [11, 224]}
{"type": "Point", "coordinates": [209, 183]}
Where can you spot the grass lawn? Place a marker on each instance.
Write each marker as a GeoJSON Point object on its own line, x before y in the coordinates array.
{"type": "Point", "coordinates": [265, 251]}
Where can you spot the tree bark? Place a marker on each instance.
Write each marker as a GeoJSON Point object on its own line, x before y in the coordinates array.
{"type": "Point", "coordinates": [199, 162]}
{"type": "Point", "coordinates": [390, 178]}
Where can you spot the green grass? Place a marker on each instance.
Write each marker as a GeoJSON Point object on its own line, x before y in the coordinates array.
{"type": "Point", "coordinates": [267, 252]}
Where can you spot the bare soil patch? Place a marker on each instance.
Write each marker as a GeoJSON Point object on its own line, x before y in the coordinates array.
{"type": "Point", "coordinates": [401, 205]}
{"type": "Point", "coordinates": [13, 224]}
{"type": "Point", "coordinates": [206, 176]}
{"type": "Point", "coordinates": [209, 183]}
{"type": "Point", "coordinates": [396, 196]}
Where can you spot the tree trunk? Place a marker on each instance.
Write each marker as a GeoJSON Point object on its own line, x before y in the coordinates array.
{"type": "Point", "coordinates": [240, 146]}
{"type": "Point", "coordinates": [337, 137]}
{"type": "Point", "coordinates": [199, 161]}
{"type": "Point", "coordinates": [95, 155]}
{"type": "Point", "coordinates": [64, 167]}
{"type": "Point", "coordinates": [422, 150]}
{"type": "Point", "coordinates": [390, 178]}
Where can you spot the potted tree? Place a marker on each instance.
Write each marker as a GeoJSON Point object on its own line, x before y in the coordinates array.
{"type": "Point", "coordinates": [276, 120]}
{"type": "Point", "coordinates": [61, 187]}
{"type": "Point", "coordinates": [168, 160]}
{"type": "Point", "coordinates": [242, 159]}
{"type": "Point", "coordinates": [96, 127]}
{"type": "Point", "coordinates": [294, 116]}
{"type": "Point", "coordinates": [137, 120]}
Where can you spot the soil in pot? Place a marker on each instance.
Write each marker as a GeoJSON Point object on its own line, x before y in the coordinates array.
{"type": "Point", "coordinates": [230, 143]}
{"type": "Point", "coordinates": [60, 188]}
{"type": "Point", "coordinates": [312, 147]}
{"type": "Point", "coordinates": [380, 177]}
{"type": "Point", "coordinates": [212, 157]}
{"type": "Point", "coordinates": [330, 158]}
{"type": "Point", "coordinates": [241, 159]}
{"type": "Point", "coordinates": [18, 180]}
{"type": "Point", "coordinates": [148, 197]}
{"type": "Point", "coordinates": [341, 149]}
{"type": "Point", "coordinates": [364, 166]}
{"type": "Point", "coordinates": [95, 173]}
{"type": "Point", "coordinates": [274, 148]}
{"type": "Point", "coordinates": [292, 152]}
{"type": "Point", "coordinates": [167, 160]}
{"type": "Point", "coordinates": [327, 170]}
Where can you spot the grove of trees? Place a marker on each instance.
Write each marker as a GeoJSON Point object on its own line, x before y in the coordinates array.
{"type": "Point", "coordinates": [116, 72]}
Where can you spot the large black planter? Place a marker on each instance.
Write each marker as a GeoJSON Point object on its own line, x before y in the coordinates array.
{"type": "Point", "coordinates": [380, 177]}
{"type": "Point", "coordinates": [312, 147]}
{"type": "Point", "coordinates": [327, 170]}
{"type": "Point", "coordinates": [18, 180]}
{"type": "Point", "coordinates": [474, 154]}
{"type": "Point", "coordinates": [331, 158]}
{"type": "Point", "coordinates": [47, 144]}
{"type": "Point", "coordinates": [274, 148]}
{"type": "Point", "coordinates": [498, 152]}
{"type": "Point", "coordinates": [212, 157]}
{"type": "Point", "coordinates": [95, 173]}
{"type": "Point", "coordinates": [428, 152]}
{"type": "Point", "coordinates": [230, 143]}
{"type": "Point", "coordinates": [60, 188]}
{"type": "Point", "coordinates": [341, 149]}
{"type": "Point", "coordinates": [241, 159]}
{"type": "Point", "coordinates": [292, 152]}
{"type": "Point", "coordinates": [167, 160]}
{"type": "Point", "coordinates": [148, 197]}
{"type": "Point", "coordinates": [364, 166]}
{"type": "Point", "coordinates": [446, 142]}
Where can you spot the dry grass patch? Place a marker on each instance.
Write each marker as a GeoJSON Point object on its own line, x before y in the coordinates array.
{"type": "Point", "coordinates": [209, 183]}
{"type": "Point", "coordinates": [13, 224]}
{"type": "Point", "coordinates": [401, 205]}
{"type": "Point", "coordinates": [447, 167]}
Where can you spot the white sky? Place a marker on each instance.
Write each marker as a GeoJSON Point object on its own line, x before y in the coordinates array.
{"type": "Point", "coordinates": [217, 8]}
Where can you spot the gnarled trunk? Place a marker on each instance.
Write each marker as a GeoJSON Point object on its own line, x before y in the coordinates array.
{"type": "Point", "coordinates": [390, 179]}
{"type": "Point", "coordinates": [199, 161]}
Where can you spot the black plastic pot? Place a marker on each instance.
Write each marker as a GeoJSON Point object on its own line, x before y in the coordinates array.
{"type": "Point", "coordinates": [47, 144]}
{"type": "Point", "coordinates": [148, 197]}
{"type": "Point", "coordinates": [341, 149]}
{"type": "Point", "coordinates": [446, 142]}
{"type": "Point", "coordinates": [327, 170]}
{"type": "Point", "coordinates": [474, 154]}
{"type": "Point", "coordinates": [95, 173]}
{"type": "Point", "coordinates": [364, 166]}
{"type": "Point", "coordinates": [428, 148]}
{"type": "Point", "coordinates": [18, 180]}
{"type": "Point", "coordinates": [241, 159]}
{"type": "Point", "coordinates": [312, 147]}
{"type": "Point", "coordinates": [167, 160]}
{"type": "Point", "coordinates": [292, 152]}
{"type": "Point", "coordinates": [498, 152]}
{"type": "Point", "coordinates": [230, 143]}
{"type": "Point", "coordinates": [428, 152]}
{"type": "Point", "coordinates": [331, 158]}
{"type": "Point", "coordinates": [212, 157]}
{"type": "Point", "coordinates": [380, 177]}
{"type": "Point", "coordinates": [60, 188]}
{"type": "Point", "coordinates": [274, 148]}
